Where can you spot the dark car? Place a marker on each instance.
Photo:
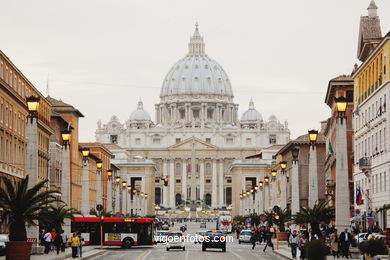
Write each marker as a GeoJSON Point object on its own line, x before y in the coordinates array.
{"type": "Point", "coordinates": [3, 239]}
{"type": "Point", "coordinates": [214, 239]}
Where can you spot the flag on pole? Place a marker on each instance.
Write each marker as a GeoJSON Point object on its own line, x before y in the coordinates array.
{"type": "Point", "coordinates": [359, 196]}
{"type": "Point", "coordinates": [330, 148]}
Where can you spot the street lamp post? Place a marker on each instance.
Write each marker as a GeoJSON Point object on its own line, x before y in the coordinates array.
{"type": "Point", "coordinates": [295, 182]}
{"type": "Point", "coordinates": [129, 206]}
{"type": "Point", "coordinates": [118, 194]}
{"type": "Point", "coordinates": [342, 181]}
{"type": "Point", "coordinates": [261, 197]}
{"type": "Point", "coordinates": [283, 184]}
{"type": "Point", "coordinates": [124, 188]}
{"type": "Point", "coordinates": [85, 206]}
{"type": "Point", "coordinates": [313, 176]}
{"type": "Point", "coordinates": [99, 196]}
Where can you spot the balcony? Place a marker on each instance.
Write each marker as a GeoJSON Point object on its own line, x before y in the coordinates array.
{"type": "Point", "coordinates": [365, 164]}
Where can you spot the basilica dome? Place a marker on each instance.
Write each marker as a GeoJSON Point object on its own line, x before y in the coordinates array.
{"type": "Point", "coordinates": [251, 114]}
{"type": "Point", "coordinates": [196, 73]}
{"type": "Point", "coordinates": [140, 114]}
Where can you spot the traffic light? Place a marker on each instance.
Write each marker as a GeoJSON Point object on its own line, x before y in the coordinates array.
{"type": "Point", "coordinates": [166, 182]}
{"type": "Point", "coordinates": [276, 217]}
{"type": "Point", "coordinates": [102, 219]}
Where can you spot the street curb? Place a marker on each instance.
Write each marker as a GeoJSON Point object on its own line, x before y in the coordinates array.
{"type": "Point", "coordinates": [281, 255]}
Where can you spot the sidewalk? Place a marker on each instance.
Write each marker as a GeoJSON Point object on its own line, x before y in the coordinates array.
{"type": "Point", "coordinates": [88, 252]}
{"type": "Point", "coordinates": [285, 252]}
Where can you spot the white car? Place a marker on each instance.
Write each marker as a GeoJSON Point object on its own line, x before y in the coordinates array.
{"type": "Point", "coordinates": [361, 237]}
{"type": "Point", "coordinates": [175, 240]}
{"type": "Point", "coordinates": [245, 236]}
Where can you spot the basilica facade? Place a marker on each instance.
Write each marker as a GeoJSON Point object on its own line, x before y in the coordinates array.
{"type": "Point", "coordinates": [195, 138]}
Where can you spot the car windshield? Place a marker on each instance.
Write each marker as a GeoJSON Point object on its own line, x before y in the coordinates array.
{"type": "Point", "coordinates": [212, 234]}
{"type": "Point", "coordinates": [246, 233]}
{"type": "Point", "coordinates": [200, 233]}
{"type": "Point", "coordinates": [3, 238]}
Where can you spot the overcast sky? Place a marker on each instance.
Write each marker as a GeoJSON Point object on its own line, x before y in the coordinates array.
{"type": "Point", "coordinates": [102, 55]}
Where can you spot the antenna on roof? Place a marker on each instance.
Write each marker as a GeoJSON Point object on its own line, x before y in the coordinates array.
{"type": "Point", "coordinates": [47, 85]}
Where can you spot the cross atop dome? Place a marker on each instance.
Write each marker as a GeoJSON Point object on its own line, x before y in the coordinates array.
{"type": "Point", "coordinates": [251, 104]}
{"type": "Point", "coordinates": [372, 9]}
{"type": "Point", "coordinates": [196, 45]}
{"type": "Point", "coordinates": [140, 105]}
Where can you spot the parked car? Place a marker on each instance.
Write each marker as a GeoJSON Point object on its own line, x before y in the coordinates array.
{"type": "Point", "coordinates": [165, 227]}
{"type": "Point", "coordinates": [175, 240]}
{"type": "Point", "coordinates": [361, 237]}
{"type": "Point", "coordinates": [214, 239]}
{"type": "Point", "coordinates": [3, 238]}
{"type": "Point", "coordinates": [203, 225]}
{"type": "Point", "coordinates": [161, 236]}
{"type": "Point", "coordinates": [199, 236]}
{"type": "Point", "coordinates": [245, 236]}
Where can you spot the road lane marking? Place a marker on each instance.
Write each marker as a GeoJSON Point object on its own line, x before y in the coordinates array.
{"type": "Point", "coordinates": [187, 254]}
{"type": "Point", "coordinates": [237, 255]}
{"type": "Point", "coordinates": [144, 254]}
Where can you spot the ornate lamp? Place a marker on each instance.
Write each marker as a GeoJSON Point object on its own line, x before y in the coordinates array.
{"type": "Point", "coordinates": [65, 135]}
{"type": "Point", "coordinates": [32, 106]}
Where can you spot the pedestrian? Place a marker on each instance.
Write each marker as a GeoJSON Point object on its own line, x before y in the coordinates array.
{"type": "Point", "coordinates": [58, 243]}
{"type": "Point", "coordinates": [345, 241]}
{"type": "Point", "coordinates": [301, 244]}
{"type": "Point", "coordinates": [64, 239]}
{"type": "Point", "coordinates": [80, 247]}
{"type": "Point", "coordinates": [53, 237]}
{"type": "Point", "coordinates": [293, 240]}
{"type": "Point", "coordinates": [74, 242]}
{"type": "Point", "coordinates": [334, 244]}
{"type": "Point", "coordinates": [47, 241]}
{"type": "Point", "coordinates": [268, 240]}
{"type": "Point", "coordinates": [253, 240]}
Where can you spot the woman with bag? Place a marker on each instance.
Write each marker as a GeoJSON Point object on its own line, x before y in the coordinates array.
{"type": "Point", "coordinates": [74, 242]}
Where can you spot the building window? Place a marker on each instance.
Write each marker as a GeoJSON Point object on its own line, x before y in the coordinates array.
{"type": "Point", "coordinates": [248, 141]}
{"type": "Point", "coordinates": [157, 180]}
{"type": "Point", "coordinates": [229, 140]}
{"type": "Point", "coordinates": [208, 169]}
{"type": "Point", "coordinates": [156, 140]}
{"type": "Point", "coordinates": [208, 181]}
{"type": "Point", "coordinates": [178, 181]}
{"type": "Point", "coordinates": [182, 113]}
{"type": "Point", "coordinates": [196, 114]}
{"type": "Point", "coordinates": [229, 180]}
{"type": "Point", "coordinates": [138, 141]}
{"type": "Point", "coordinates": [114, 139]}
{"type": "Point", "coordinates": [272, 139]}
{"type": "Point", "coordinates": [210, 113]}
{"type": "Point", "coordinates": [178, 140]}
{"type": "Point", "coordinates": [208, 140]}
{"type": "Point", "coordinates": [178, 169]}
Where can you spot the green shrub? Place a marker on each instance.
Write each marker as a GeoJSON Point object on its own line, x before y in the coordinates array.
{"type": "Point", "coordinates": [316, 250]}
{"type": "Point", "coordinates": [373, 247]}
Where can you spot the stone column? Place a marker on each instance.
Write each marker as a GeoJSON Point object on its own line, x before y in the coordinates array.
{"type": "Point", "coordinates": [261, 200]}
{"type": "Point", "coordinates": [214, 185]}
{"type": "Point", "coordinates": [295, 188]}
{"type": "Point", "coordinates": [165, 189]}
{"type": "Point", "coordinates": [85, 207]}
{"type": "Point", "coordinates": [201, 180]}
{"type": "Point", "coordinates": [117, 198]}
{"type": "Point", "coordinates": [257, 201]}
{"type": "Point", "coordinates": [124, 201]}
{"type": "Point", "coordinates": [172, 184]}
{"type": "Point", "coordinates": [109, 195]}
{"type": "Point", "coordinates": [266, 197]}
{"type": "Point", "coordinates": [220, 184]}
{"type": "Point", "coordinates": [157, 114]}
{"type": "Point", "coordinates": [99, 196]}
{"type": "Point", "coordinates": [241, 207]}
{"type": "Point", "coordinates": [313, 178]}
{"type": "Point", "coordinates": [128, 200]}
{"type": "Point", "coordinates": [184, 180]}
{"type": "Point", "coordinates": [342, 182]}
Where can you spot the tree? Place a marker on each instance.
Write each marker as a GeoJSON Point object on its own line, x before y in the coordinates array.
{"type": "Point", "coordinates": [284, 216]}
{"type": "Point", "coordinates": [270, 217]}
{"type": "Point", "coordinates": [239, 219]}
{"type": "Point", "coordinates": [54, 217]}
{"type": "Point", "coordinates": [320, 213]}
{"type": "Point", "coordinates": [22, 205]}
{"type": "Point", "coordinates": [255, 219]}
{"type": "Point", "coordinates": [100, 213]}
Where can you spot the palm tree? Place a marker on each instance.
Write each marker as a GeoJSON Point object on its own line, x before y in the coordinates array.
{"type": "Point", "coordinates": [284, 216]}
{"type": "Point", "coordinates": [320, 213]}
{"type": "Point", "coordinates": [100, 213]}
{"type": "Point", "coordinates": [22, 205]}
{"type": "Point", "coordinates": [54, 217]}
{"type": "Point", "coordinates": [270, 217]}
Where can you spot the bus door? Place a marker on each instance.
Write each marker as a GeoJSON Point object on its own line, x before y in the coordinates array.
{"type": "Point", "coordinates": [94, 233]}
{"type": "Point", "coordinates": [145, 233]}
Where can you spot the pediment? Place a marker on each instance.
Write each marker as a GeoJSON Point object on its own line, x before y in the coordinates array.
{"type": "Point", "coordinates": [187, 144]}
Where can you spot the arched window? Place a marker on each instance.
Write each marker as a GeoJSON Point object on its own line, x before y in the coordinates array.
{"type": "Point", "coordinates": [208, 199]}
{"type": "Point", "coordinates": [178, 199]}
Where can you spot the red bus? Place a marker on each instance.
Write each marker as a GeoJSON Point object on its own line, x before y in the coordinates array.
{"type": "Point", "coordinates": [125, 232]}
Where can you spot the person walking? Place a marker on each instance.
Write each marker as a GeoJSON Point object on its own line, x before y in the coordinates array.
{"type": "Point", "coordinates": [47, 241]}
{"type": "Point", "coordinates": [253, 240]}
{"type": "Point", "coordinates": [301, 244]}
{"type": "Point", "coordinates": [268, 240]}
{"type": "Point", "coordinates": [64, 239]}
{"type": "Point", "coordinates": [53, 237]}
{"type": "Point", "coordinates": [334, 244]}
{"type": "Point", "coordinates": [293, 240]}
{"type": "Point", "coordinates": [74, 242]}
{"type": "Point", "coordinates": [80, 247]}
{"type": "Point", "coordinates": [345, 242]}
{"type": "Point", "coordinates": [58, 243]}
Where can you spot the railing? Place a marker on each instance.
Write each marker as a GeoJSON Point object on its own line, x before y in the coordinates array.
{"type": "Point", "coordinates": [364, 163]}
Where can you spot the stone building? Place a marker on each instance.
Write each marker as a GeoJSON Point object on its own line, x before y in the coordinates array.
{"type": "Point", "coordinates": [196, 135]}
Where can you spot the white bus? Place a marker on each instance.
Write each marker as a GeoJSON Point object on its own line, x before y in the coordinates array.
{"type": "Point", "coordinates": [224, 224]}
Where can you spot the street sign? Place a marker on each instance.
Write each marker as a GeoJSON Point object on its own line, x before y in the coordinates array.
{"type": "Point", "coordinates": [99, 207]}
{"type": "Point", "coordinates": [276, 208]}
{"type": "Point", "coordinates": [249, 220]}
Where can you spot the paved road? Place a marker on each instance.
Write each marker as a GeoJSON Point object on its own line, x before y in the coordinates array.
{"type": "Point", "coordinates": [233, 250]}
